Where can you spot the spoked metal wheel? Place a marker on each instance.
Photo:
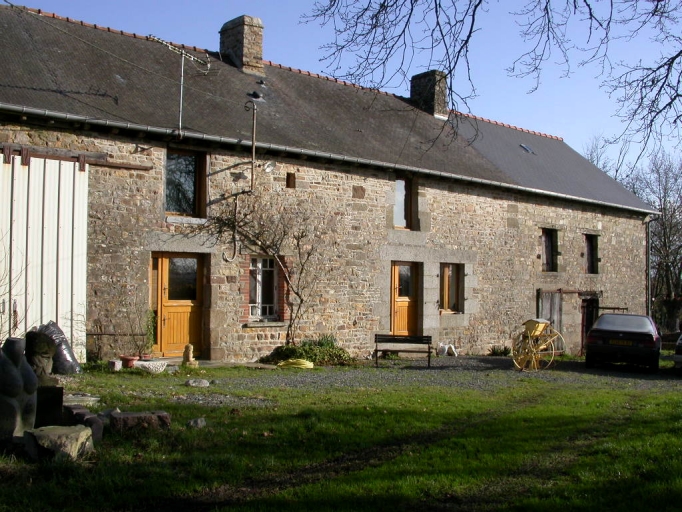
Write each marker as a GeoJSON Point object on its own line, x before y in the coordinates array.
{"type": "Point", "coordinates": [557, 340]}
{"type": "Point", "coordinates": [533, 353]}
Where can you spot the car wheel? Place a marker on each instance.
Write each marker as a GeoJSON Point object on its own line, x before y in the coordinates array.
{"type": "Point", "coordinates": [653, 367]}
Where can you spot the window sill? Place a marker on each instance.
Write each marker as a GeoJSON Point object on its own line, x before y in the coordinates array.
{"type": "Point", "coordinates": [450, 312]}
{"type": "Point", "coordinates": [179, 219]}
{"type": "Point", "coordinates": [264, 324]}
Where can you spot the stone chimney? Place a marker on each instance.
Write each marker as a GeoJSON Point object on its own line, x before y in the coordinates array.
{"type": "Point", "coordinates": [429, 92]}
{"type": "Point", "coordinates": [241, 41]}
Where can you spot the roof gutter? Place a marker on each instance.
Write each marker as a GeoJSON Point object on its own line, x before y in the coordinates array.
{"type": "Point", "coordinates": [170, 132]}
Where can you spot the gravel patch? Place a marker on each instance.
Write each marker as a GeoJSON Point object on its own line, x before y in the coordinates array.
{"type": "Point", "coordinates": [217, 400]}
{"type": "Point", "coordinates": [485, 373]}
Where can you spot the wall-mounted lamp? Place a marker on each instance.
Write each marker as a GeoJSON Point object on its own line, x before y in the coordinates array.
{"type": "Point", "coordinates": [270, 166]}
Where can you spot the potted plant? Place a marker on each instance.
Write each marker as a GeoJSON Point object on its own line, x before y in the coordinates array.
{"type": "Point", "coordinates": [128, 361]}
{"type": "Point", "coordinates": [140, 339]}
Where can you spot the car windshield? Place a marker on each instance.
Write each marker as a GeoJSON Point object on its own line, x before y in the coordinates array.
{"type": "Point", "coordinates": [624, 323]}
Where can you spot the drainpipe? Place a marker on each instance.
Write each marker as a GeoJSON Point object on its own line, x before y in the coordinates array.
{"type": "Point", "coordinates": [648, 264]}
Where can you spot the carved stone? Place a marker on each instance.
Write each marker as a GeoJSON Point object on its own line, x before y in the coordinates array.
{"type": "Point", "coordinates": [188, 357]}
{"type": "Point", "coordinates": [18, 385]}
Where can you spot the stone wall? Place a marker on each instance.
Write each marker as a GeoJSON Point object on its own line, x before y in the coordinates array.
{"type": "Point", "coordinates": [494, 233]}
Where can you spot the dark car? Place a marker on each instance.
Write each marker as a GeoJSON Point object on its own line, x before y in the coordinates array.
{"type": "Point", "coordinates": [620, 338]}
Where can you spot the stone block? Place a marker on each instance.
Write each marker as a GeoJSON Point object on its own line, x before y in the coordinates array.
{"type": "Point", "coordinates": [96, 425]}
{"type": "Point", "coordinates": [126, 421]}
{"type": "Point", "coordinates": [69, 413]}
{"type": "Point", "coordinates": [58, 442]}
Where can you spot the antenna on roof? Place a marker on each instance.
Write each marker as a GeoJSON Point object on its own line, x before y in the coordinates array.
{"type": "Point", "coordinates": [184, 55]}
{"type": "Point", "coordinates": [182, 52]}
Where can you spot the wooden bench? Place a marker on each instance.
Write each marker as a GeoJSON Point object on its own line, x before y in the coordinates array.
{"type": "Point", "coordinates": [392, 343]}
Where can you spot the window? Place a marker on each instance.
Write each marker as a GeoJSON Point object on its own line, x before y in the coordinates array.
{"type": "Point", "coordinates": [550, 253]}
{"type": "Point", "coordinates": [591, 254]}
{"type": "Point", "coordinates": [452, 287]}
{"type": "Point", "coordinates": [182, 278]}
{"type": "Point", "coordinates": [185, 183]}
{"type": "Point", "coordinates": [262, 288]}
{"type": "Point", "coordinates": [402, 209]}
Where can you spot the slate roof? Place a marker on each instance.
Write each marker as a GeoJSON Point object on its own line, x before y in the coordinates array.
{"type": "Point", "coordinates": [65, 69]}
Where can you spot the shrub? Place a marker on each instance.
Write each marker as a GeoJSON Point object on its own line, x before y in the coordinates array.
{"type": "Point", "coordinates": [497, 350]}
{"type": "Point", "coordinates": [322, 352]}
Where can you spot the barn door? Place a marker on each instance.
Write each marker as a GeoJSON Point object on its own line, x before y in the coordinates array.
{"type": "Point", "coordinates": [43, 246]}
{"type": "Point", "coordinates": [177, 288]}
{"type": "Point", "coordinates": [404, 298]}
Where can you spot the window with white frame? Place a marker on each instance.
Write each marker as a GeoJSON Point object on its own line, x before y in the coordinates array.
{"type": "Point", "coordinates": [262, 288]}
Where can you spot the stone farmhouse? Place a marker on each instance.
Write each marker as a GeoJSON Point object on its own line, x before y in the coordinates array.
{"type": "Point", "coordinates": [219, 199]}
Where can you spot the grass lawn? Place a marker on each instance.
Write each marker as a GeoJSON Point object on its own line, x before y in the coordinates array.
{"type": "Point", "coordinates": [572, 440]}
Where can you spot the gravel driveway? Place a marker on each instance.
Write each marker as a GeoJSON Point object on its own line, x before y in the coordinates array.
{"type": "Point", "coordinates": [479, 373]}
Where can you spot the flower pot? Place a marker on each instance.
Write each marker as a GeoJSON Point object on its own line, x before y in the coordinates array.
{"type": "Point", "coordinates": [128, 361]}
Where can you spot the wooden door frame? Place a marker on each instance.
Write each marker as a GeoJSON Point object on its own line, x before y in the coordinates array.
{"type": "Point", "coordinates": [416, 284]}
{"type": "Point", "coordinates": [162, 278]}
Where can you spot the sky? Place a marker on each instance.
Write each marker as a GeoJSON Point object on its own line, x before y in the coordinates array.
{"type": "Point", "coordinates": [574, 108]}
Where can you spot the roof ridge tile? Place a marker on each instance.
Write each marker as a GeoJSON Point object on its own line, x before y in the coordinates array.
{"type": "Point", "coordinates": [328, 78]}
{"type": "Point", "coordinates": [506, 125]}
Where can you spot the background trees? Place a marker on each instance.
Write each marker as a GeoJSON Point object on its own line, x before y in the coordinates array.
{"type": "Point", "coordinates": [660, 184]}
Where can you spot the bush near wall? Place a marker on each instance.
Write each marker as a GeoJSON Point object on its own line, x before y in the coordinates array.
{"type": "Point", "coordinates": [323, 351]}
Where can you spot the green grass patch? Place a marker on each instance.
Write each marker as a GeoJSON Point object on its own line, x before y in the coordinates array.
{"type": "Point", "coordinates": [598, 441]}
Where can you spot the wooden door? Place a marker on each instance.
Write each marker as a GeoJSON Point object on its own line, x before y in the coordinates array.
{"type": "Point", "coordinates": [177, 284]}
{"type": "Point", "coordinates": [404, 300]}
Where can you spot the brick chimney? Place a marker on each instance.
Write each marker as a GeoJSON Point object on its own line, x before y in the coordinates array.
{"type": "Point", "coordinates": [241, 41]}
{"type": "Point", "coordinates": [429, 92]}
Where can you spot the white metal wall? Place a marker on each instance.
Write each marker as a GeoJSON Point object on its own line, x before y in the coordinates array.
{"type": "Point", "coordinates": [43, 247]}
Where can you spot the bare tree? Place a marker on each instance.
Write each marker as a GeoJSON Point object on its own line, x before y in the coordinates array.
{"type": "Point", "coordinates": [661, 186]}
{"type": "Point", "coordinates": [286, 229]}
{"type": "Point", "coordinates": [596, 151]}
{"type": "Point", "coordinates": [385, 36]}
